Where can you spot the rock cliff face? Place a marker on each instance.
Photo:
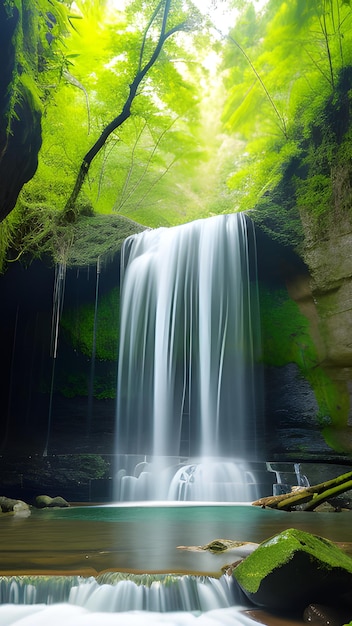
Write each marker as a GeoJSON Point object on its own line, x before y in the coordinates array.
{"type": "Point", "coordinates": [330, 311]}
{"type": "Point", "coordinates": [330, 264]}
{"type": "Point", "coordinates": [307, 348]}
{"type": "Point", "coordinates": [20, 142]}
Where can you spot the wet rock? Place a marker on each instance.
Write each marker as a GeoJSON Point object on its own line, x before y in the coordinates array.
{"type": "Point", "coordinates": [42, 502]}
{"type": "Point", "coordinates": [224, 545]}
{"type": "Point", "coordinates": [8, 505]}
{"type": "Point", "coordinates": [322, 615]}
{"type": "Point", "coordinates": [293, 569]}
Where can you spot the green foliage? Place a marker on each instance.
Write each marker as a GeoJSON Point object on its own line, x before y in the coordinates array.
{"type": "Point", "coordinates": [99, 236]}
{"type": "Point", "coordinates": [82, 327]}
{"type": "Point", "coordinates": [66, 468]}
{"type": "Point", "coordinates": [288, 80]}
{"type": "Point", "coordinates": [6, 238]}
{"type": "Point", "coordinates": [38, 40]}
{"type": "Point", "coordinates": [279, 153]}
{"type": "Point", "coordinates": [332, 398]}
{"type": "Point", "coordinates": [88, 466]}
{"type": "Point", "coordinates": [73, 384]}
{"type": "Point", "coordinates": [158, 152]}
{"type": "Point", "coordinates": [286, 337]}
{"type": "Point", "coordinates": [38, 232]}
{"type": "Point", "coordinates": [314, 194]}
{"type": "Point", "coordinates": [105, 387]}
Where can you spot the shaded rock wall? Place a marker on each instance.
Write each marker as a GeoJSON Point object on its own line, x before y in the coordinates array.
{"type": "Point", "coordinates": [306, 349]}
{"type": "Point", "coordinates": [46, 401]}
{"type": "Point", "coordinates": [330, 265]}
{"type": "Point", "coordinates": [305, 407]}
{"type": "Point", "coordinates": [20, 142]}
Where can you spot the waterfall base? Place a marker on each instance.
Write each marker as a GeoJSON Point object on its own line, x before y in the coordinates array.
{"type": "Point", "coordinates": [184, 480]}
{"type": "Point", "coordinates": [35, 615]}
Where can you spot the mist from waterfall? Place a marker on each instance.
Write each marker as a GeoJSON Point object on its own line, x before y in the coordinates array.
{"type": "Point", "coordinates": [188, 390]}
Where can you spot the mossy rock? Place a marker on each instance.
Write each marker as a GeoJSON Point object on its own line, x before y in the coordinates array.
{"type": "Point", "coordinates": [293, 569]}
{"type": "Point", "coordinates": [98, 237]}
{"type": "Point", "coordinates": [8, 505]}
{"type": "Point", "coordinates": [43, 502]}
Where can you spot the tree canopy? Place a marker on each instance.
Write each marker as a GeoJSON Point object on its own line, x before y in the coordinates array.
{"type": "Point", "coordinates": [184, 118]}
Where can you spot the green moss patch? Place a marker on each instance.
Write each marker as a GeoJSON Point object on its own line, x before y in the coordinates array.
{"type": "Point", "coordinates": [82, 327]}
{"type": "Point", "coordinates": [286, 336]}
{"type": "Point", "coordinates": [98, 236]}
{"type": "Point", "coordinates": [280, 549]}
{"type": "Point", "coordinates": [287, 339]}
{"type": "Point", "coordinates": [294, 568]}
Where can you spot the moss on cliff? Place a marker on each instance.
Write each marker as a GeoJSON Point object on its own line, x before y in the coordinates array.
{"type": "Point", "coordinates": [83, 327]}
{"type": "Point", "coordinates": [312, 195]}
{"type": "Point", "coordinates": [287, 339]}
{"type": "Point", "coordinates": [39, 232]}
{"type": "Point", "coordinates": [97, 236]}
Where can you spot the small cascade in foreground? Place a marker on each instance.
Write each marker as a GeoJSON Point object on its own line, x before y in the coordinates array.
{"type": "Point", "coordinates": [188, 390]}
{"type": "Point", "coordinates": [116, 592]}
{"type": "Point", "coordinates": [140, 600]}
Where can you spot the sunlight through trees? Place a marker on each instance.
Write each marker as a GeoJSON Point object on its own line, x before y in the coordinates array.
{"type": "Point", "coordinates": [164, 122]}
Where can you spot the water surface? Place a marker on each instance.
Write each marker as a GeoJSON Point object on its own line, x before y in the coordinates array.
{"type": "Point", "coordinates": [145, 538]}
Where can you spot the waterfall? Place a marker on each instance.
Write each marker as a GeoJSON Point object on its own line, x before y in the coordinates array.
{"type": "Point", "coordinates": [93, 355]}
{"type": "Point", "coordinates": [58, 300]}
{"type": "Point", "coordinates": [188, 362]}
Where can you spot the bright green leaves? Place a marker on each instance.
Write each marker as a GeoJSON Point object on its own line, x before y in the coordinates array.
{"type": "Point", "coordinates": [285, 92]}
{"type": "Point", "coordinates": [38, 40]}
{"type": "Point", "coordinates": [144, 160]}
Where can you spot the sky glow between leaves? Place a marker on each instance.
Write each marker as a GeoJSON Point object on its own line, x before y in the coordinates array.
{"type": "Point", "coordinates": [222, 16]}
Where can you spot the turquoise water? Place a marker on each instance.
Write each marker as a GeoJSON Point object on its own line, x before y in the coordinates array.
{"type": "Point", "coordinates": [164, 514]}
{"type": "Point", "coordinates": [146, 538]}
{"type": "Point", "coordinates": [88, 540]}
{"type": "Point", "coordinates": [243, 522]}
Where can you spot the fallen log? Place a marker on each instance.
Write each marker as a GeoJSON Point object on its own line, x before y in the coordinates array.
{"type": "Point", "coordinates": [308, 498]}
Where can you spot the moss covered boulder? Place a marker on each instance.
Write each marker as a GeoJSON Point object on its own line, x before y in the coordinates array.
{"type": "Point", "coordinates": [43, 502]}
{"type": "Point", "coordinates": [11, 505]}
{"type": "Point", "coordinates": [293, 569]}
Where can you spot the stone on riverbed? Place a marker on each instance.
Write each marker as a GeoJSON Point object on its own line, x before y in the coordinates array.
{"type": "Point", "coordinates": [42, 502]}
{"type": "Point", "coordinates": [242, 548]}
{"type": "Point", "coordinates": [8, 505]}
{"type": "Point", "coordinates": [293, 569]}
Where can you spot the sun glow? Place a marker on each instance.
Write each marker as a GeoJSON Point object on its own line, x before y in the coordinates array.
{"type": "Point", "coordinates": [219, 12]}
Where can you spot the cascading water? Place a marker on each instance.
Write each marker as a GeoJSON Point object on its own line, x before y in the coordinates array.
{"type": "Point", "coordinates": [188, 363]}
{"type": "Point", "coordinates": [139, 600]}
{"type": "Point", "coordinates": [115, 592]}
{"type": "Point", "coordinates": [58, 299]}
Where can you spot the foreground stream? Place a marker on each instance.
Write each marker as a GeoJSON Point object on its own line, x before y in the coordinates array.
{"type": "Point", "coordinates": [71, 547]}
{"type": "Point", "coordinates": [89, 540]}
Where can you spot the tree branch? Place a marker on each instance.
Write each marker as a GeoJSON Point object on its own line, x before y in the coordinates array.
{"type": "Point", "coordinates": [69, 209]}
{"type": "Point", "coordinates": [314, 495]}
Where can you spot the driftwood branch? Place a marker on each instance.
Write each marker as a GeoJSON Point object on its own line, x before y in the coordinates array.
{"type": "Point", "coordinates": [308, 498]}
